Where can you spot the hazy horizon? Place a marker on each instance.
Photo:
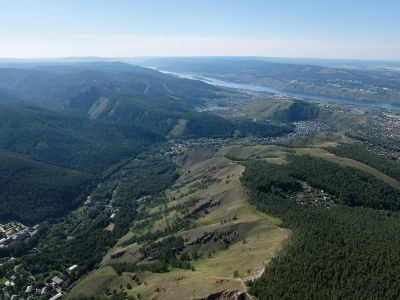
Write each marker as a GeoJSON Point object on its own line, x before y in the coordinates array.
{"type": "Point", "coordinates": [310, 29]}
{"type": "Point", "coordinates": [89, 58]}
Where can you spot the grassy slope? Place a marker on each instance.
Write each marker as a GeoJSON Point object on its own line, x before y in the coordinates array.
{"type": "Point", "coordinates": [215, 273]}
{"type": "Point", "coordinates": [212, 273]}
{"type": "Point", "coordinates": [266, 108]}
{"type": "Point", "coordinates": [347, 162]}
{"type": "Point", "coordinates": [276, 154]}
{"type": "Point", "coordinates": [179, 128]}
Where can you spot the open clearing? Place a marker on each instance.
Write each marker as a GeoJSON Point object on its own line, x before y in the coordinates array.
{"type": "Point", "coordinates": [178, 129]}
{"type": "Point", "coordinates": [347, 162]}
{"type": "Point", "coordinates": [255, 237]}
{"type": "Point", "coordinates": [219, 272]}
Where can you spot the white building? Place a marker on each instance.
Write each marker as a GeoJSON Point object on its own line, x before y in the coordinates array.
{"type": "Point", "coordinates": [71, 268]}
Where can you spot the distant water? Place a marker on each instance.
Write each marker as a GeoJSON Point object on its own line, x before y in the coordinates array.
{"type": "Point", "coordinates": [260, 88]}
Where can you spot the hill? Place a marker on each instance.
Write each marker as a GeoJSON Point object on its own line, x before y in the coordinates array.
{"type": "Point", "coordinates": [34, 191]}
{"type": "Point", "coordinates": [293, 76]}
{"type": "Point", "coordinates": [283, 110]}
{"type": "Point", "coordinates": [76, 87]}
{"type": "Point", "coordinates": [48, 159]}
{"type": "Point", "coordinates": [70, 142]}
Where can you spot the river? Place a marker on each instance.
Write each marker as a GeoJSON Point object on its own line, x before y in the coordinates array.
{"type": "Point", "coordinates": [260, 88]}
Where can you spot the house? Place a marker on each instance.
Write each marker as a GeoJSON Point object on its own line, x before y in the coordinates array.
{"type": "Point", "coordinates": [21, 235]}
{"type": "Point", "coordinates": [14, 297]}
{"type": "Point", "coordinates": [57, 280]}
{"type": "Point", "coordinates": [9, 283]}
{"type": "Point", "coordinates": [43, 291]}
{"type": "Point", "coordinates": [59, 295]}
{"type": "Point", "coordinates": [28, 289]}
{"type": "Point", "coordinates": [71, 268]}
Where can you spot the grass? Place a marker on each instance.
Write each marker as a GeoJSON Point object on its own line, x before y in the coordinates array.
{"type": "Point", "coordinates": [259, 238]}
{"type": "Point", "coordinates": [219, 269]}
{"type": "Point", "coordinates": [266, 108]}
{"type": "Point", "coordinates": [97, 282]}
{"type": "Point", "coordinates": [347, 162]}
{"type": "Point", "coordinates": [178, 129]}
{"type": "Point", "coordinates": [276, 160]}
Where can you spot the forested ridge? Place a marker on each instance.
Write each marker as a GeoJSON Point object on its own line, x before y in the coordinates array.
{"type": "Point", "coordinates": [202, 125]}
{"type": "Point", "coordinates": [50, 161]}
{"type": "Point", "coordinates": [101, 113]}
{"type": "Point", "coordinates": [69, 142]}
{"type": "Point", "coordinates": [33, 191]}
{"type": "Point", "coordinates": [336, 252]}
{"type": "Point", "coordinates": [388, 166]}
{"type": "Point", "coordinates": [350, 186]}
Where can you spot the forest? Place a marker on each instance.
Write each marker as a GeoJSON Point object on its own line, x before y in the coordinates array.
{"type": "Point", "coordinates": [202, 125]}
{"type": "Point", "coordinates": [81, 238]}
{"type": "Point", "coordinates": [336, 252]}
{"type": "Point", "coordinates": [388, 166]}
{"type": "Point", "coordinates": [350, 186]}
{"type": "Point", "coordinates": [49, 162]}
{"type": "Point", "coordinates": [33, 191]}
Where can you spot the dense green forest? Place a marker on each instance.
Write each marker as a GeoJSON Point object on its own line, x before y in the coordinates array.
{"type": "Point", "coordinates": [387, 166]}
{"type": "Point", "coordinates": [337, 252]}
{"type": "Point", "coordinates": [33, 191]}
{"type": "Point", "coordinates": [206, 125]}
{"type": "Point", "coordinates": [75, 87]}
{"type": "Point", "coordinates": [82, 238]}
{"type": "Point", "coordinates": [298, 111]}
{"type": "Point", "coordinates": [103, 113]}
{"type": "Point", "coordinates": [49, 161]}
{"type": "Point", "coordinates": [350, 186]}
{"type": "Point", "coordinates": [69, 142]}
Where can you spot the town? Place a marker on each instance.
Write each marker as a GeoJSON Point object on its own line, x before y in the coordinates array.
{"type": "Point", "coordinates": [15, 231]}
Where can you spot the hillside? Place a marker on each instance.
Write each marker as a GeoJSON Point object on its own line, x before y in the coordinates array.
{"type": "Point", "coordinates": [6, 96]}
{"type": "Point", "coordinates": [207, 208]}
{"type": "Point", "coordinates": [69, 142]}
{"type": "Point", "coordinates": [78, 86]}
{"type": "Point", "coordinates": [48, 159]}
{"type": "Point", "coordinates": [34, 191]}
{"type": "Point", "coordinates": [283, 110]}
{"type": "Point", "coordinates": [123, 93]}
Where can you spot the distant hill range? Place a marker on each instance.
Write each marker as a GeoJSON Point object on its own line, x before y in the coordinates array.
{"type": "Point", "coordinates": [62, 125]}
{"type": "Point", "coordinates": [354, 80]}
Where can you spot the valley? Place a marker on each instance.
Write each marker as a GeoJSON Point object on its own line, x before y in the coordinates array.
{"type": "Point", "coordinates": [357, 85]}
{"type": "Point", "coordinates": [223, 229]}
{"type": "Point", "coordinates": [150, 186]}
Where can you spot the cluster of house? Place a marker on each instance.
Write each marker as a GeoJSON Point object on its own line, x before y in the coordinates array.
{"type": "Point", "coordinates": [15, 231]}
{"type": "Point", "coordinates": [55, 286]}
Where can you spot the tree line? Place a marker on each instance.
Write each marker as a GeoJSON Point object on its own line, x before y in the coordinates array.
{"type": "Point", "coordinates": [338, 252]}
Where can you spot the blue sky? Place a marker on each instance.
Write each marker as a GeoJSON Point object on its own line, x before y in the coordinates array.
{"type": "Point", "coordinates": [296, 28]}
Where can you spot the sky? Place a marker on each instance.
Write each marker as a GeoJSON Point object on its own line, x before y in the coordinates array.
{"type": "Point", "coordinates": [351, 29]}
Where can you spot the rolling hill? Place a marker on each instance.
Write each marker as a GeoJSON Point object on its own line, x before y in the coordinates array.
{"type": "Point", "coordinates": [76, 87]}
{"type": "Point", "coordinates": [48, 160]}
{"type": "Point", "coordinates": [300, 77]}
